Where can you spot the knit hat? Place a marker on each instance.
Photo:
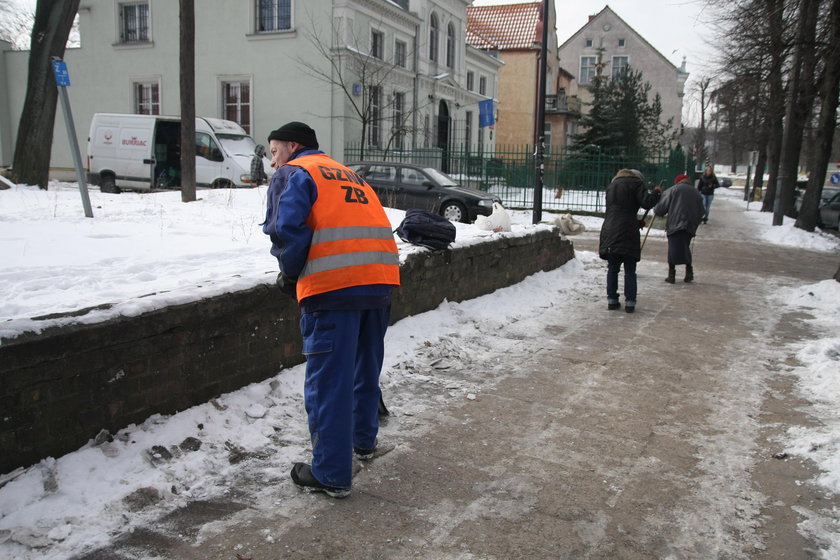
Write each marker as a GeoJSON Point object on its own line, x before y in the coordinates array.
{"type": "Point", "coordinates": [680, 178]}
{"type": "Point", "coordinates": [295, 132]}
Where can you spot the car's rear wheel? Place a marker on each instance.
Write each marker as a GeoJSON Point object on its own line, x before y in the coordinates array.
{"type": "Point", "coordinates": [221, 184]}
{"type": "Point", "coordinates": [107, 184]}
{"type": "Point", "coordinates": [454, 211]}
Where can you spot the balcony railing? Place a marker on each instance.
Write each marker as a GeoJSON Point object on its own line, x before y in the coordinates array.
{"type": "Point", "coordinates": [562, 103]}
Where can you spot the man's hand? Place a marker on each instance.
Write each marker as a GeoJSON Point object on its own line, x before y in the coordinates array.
{"type": "Point", "coordinates": [287, 284]}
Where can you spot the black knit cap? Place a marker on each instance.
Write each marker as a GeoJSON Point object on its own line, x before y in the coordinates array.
{"type": "Point", "coordinates": [295, 132]}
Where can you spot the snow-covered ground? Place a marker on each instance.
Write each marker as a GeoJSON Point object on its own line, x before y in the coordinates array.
{"type": "Point", "coordinates": [56, 260]}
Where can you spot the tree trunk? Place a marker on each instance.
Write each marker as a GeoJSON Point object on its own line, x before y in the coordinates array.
{"type": "Point", "coordinates": [837, 274]}
{"type": "Point", "coordinates": [776, 110]}
{"type": "Point", "coordinates": [829, 98]}
{"type": "Point", "coordinates": [187, 61]}
{"type": "Point", "coordinates": [800, 98]}
{"type": "Point", "coordinates": [758, 178]}
{"type": "Point", "coordinates": [33, 147]}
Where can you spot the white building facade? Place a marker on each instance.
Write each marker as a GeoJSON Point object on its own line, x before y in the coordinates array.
{"type": "Point", "coordinates": [263, 63]}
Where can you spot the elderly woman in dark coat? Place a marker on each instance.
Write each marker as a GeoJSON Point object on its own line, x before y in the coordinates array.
{"type": "Point", "coordinates": [619, 243]}
{"type": "Point", "coordinates": [683, 205]}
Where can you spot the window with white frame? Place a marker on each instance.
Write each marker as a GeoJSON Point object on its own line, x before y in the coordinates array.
{"type": "Point", "coordinates": [482, 85]}
{"type": "Point", "coordinates": [273, 15]}
{"type": "Point", "coordinates": [619, 65]}
{"type": "Point", "coordinates": [470, 80]}
{"type": "Point", "coordinates": [134, 22]}
{"type": "Point", "coordinates": [400, 53]}
{"type": "Point", "coordinates": [547, 138]}
{"type": "Point", "coordinates": [587, 69]}
{"type": "Point", "coordinates": [622, 43]}
{"type": "Point", "coordinates": [236, 103]}
{"type": "Point", "coordinates": [375, 124]}
{"type": "Point", "coordinates": [377, 44]}
{"type": "Point", "coordinates": [399, 118]}
{"type": "Point", "coordinates": [146, 98]}
{"type": "Point", "coordinates": [450, 46]}
{"type": "Point", "coordinates": [587, 42]}
{"type": "Point", "coordinates": [433, 37]}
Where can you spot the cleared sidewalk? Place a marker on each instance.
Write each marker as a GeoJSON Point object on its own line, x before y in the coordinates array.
{"type": "Point", "coordinates": [617, 436]}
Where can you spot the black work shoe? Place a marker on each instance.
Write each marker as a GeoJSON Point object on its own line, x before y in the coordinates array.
{"type": "Point", "coordinates": [302, 477]}
{"type": "Point", "coordinates": [364, 454]}
{"type": "Point", "coordinates": [629, 308]}
{"type": "Point", "coordinates": [613, 306]}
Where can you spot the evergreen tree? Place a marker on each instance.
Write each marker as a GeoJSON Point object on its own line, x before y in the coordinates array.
{"type": "Point", "coordinates": [621, 119]}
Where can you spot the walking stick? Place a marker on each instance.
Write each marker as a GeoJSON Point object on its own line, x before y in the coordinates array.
{"type": "Point", "coordinates": [647, 232]}
{"type": "Point", "coordinates": [649, 225]}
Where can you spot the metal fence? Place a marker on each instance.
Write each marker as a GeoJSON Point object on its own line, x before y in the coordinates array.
{"type": "Point", "coordinates": [573, 181]}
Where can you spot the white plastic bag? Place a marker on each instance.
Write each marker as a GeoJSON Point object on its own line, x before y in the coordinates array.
{"type": "Point", "coordinates": [568, 225]}
{"type": "Point", "coordinates": [497, 221]}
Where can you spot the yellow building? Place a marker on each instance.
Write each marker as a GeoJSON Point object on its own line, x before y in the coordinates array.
{"type": "Point", "coordinates": [513, 33]}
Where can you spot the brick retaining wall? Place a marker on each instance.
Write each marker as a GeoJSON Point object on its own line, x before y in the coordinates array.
{"type": "Point", "coordinates": [59, 388]}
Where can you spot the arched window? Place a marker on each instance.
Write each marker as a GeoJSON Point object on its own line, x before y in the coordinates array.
{"type": "Point", "coordinates": [433, 37]}
{"type": "Point", "coordinates": [450, 46]}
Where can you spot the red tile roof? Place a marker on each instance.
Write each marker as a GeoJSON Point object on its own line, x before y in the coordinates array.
{"type": "Point", "coordinates": [511, 26]}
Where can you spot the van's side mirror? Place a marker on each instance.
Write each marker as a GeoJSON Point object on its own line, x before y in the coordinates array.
{"type": "Point", "coordinates": [216, 155]}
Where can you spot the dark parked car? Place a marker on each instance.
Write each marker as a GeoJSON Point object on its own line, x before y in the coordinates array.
{"type": "Point", "coordinates": [830, 213]}
{"type": "Point", "coordinates": [826, 194]}
{"type": "Point", "coordinates": [405, 185]}
{"type": "Point", "coordinates": [725, 182]}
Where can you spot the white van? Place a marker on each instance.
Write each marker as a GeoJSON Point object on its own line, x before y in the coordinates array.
{"type": "Point", "coordinates": [143, 152]}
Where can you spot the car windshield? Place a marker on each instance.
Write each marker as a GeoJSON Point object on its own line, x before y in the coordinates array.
{"type": "Point", "coordinates": [237, 144]}
{"type": "Point", "coordinates": [441, 178]}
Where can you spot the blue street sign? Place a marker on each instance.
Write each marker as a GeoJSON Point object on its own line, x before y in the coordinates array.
{"type": "Point", "coordinates": [485, 113]}
{"type": "Point", "coordinates": [835, 179]}
{"type": "Point", "coordinates": [62, 76]}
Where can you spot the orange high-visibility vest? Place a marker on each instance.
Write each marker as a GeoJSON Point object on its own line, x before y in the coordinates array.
{"type": "Point", "coordinates": [352, 240]}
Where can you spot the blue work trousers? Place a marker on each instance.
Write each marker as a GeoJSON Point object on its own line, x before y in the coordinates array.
{"type": "Point", "coordinates": [344, 352]}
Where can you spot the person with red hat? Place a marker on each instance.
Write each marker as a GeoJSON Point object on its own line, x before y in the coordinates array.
{"type": "Point", "coordinates": [683, 205]}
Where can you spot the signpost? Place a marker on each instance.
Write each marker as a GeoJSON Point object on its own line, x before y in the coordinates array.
{"type": "Point", "coordinates": [62, 80]}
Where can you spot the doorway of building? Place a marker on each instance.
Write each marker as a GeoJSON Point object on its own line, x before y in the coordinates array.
{"type": "Point", "coordinates": [444, 121]}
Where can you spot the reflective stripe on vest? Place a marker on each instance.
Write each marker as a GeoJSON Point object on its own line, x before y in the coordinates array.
{"type": "Point", "coordinates": [352, 241]}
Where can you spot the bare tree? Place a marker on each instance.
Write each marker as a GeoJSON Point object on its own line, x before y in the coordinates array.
{"type": "Point", "coordinates": [50, 30]}
{"type": "Point", "coordinates": [801, 91]}
{"type": "Point", "coordinates": [698, 149]}
{"type": "Point", "coordinates": [829, 97]}
{"type": "Point", "coordinates": [361, 73]}
{"type": "Point", "coordinates": [773, 18]}
{"type": "Point", "coordinates": [187, 63]}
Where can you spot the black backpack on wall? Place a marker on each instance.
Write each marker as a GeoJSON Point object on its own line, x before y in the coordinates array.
{"type": "Point", "coordinates": [427, 229]}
